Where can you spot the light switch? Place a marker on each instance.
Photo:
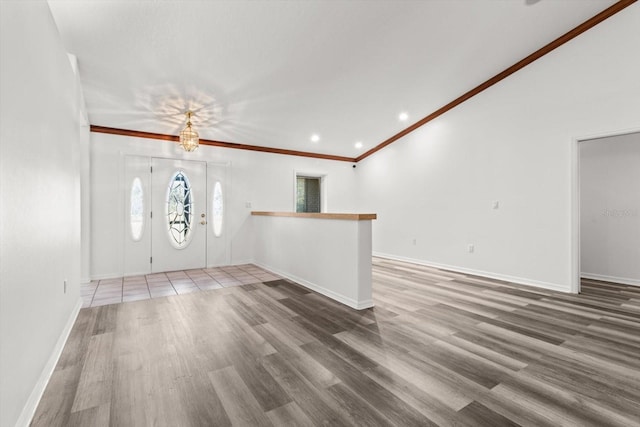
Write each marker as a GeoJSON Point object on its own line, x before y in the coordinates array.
{"type": "Point", "coordinates": [496, 204]}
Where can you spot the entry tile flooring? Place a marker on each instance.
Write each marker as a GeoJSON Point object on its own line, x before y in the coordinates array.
{"type": "Point", "coordinates": [135, 288]}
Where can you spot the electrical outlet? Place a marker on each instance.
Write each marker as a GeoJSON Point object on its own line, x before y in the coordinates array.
{"type": "Point", "coordinates": [470, 248]}
{"type": "Point", "coordinates": [247, 205]}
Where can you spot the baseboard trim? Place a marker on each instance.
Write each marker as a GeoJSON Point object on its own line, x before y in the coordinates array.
{"type": "Point", "coordinates": [106, 276]}
{"type": "Point", "coordinates": [350, 302]}
{"type": "Point", "coordinates": [29, 409]}
{"type": "Point", "coordinates": [614, 279]}
{"type": "Point", "coordinates": [217, 265]}
{"type": "Point", "coordinates": [490, 275]}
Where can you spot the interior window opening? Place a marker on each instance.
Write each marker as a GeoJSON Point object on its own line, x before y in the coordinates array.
{"type": "Point", "coordinates": [308, 197]}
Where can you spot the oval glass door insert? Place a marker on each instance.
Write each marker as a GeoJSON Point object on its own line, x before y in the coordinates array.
{"type": "Point", "coordinates": [179, 210]}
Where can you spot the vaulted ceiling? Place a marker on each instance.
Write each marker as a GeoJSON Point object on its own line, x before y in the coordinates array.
{"type": "Point", "coordinates": [274, 73]}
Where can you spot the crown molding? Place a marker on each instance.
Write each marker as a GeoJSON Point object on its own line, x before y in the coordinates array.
{"type": "Point", "coordinates": [570, 35]}
{"type": "Point", "coordinates": [588, 24]}
{"type": "Point", "coordinates": [212, 143]}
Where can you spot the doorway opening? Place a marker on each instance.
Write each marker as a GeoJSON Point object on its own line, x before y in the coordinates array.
{"type": "Point", "coordinates": [174, 215]}
{"type": "Point", "coordinates": [310, 190]}
{"type": "Point", "coordinates": [606, 209]}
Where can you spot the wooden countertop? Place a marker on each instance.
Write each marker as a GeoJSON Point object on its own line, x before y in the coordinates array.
{"type": "Point", "coordinates": [347, 216]}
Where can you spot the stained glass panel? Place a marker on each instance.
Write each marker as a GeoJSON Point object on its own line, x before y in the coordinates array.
{"type": "Point", "coordinates": [179, 210]}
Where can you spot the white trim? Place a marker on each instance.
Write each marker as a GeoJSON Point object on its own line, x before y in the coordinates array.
{"type": "Point", "coordinates": [575, 200]}
{"type": "Point", "coordinates": [319, 289]}
{"type": "Point", "coordinates": [614, 279]}
{"type": "Point", "coordinates": [108, 276]}
{"type": "Point", "coordinates": [323, 187]}
{"type": "Point", "coordinates": [29, 409]}
{"type": "Point", "coordinates": [575, 216]}
{"type": "Point", "coordinates": [121, 197]}
{"type": "Point", "coordinates": [132, 274]}
{"type": "Point", "coordinates": [222, 265]}
{"type": "Point", "coordinates": [497, 276]}
{"type": "Point", "coordinates": [601, 135]}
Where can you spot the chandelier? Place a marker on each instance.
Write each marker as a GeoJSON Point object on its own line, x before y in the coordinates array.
{"type": "Point", "coordinates": [189, 138]}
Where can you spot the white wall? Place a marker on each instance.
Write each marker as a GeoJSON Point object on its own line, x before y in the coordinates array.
{"type": "Point", "coordinates": [40, 198]}
{"type": "Point", "coordinates": [85, 177]}
{"type": "Point", "coordinates": [513, 143]}
{"type": "Point", "coordinates": [329, 256]}
{"type": "Point", "coordinates": [265, 180]}
{"type": "Point", "coordinates": [610, 208]}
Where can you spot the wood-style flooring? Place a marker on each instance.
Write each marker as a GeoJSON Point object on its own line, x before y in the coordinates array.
{"type": "Point", "coordinates": [438, 348]}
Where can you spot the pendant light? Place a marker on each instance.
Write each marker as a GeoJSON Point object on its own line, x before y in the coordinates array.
{"type": "Point", "coordinates": [189, 138]}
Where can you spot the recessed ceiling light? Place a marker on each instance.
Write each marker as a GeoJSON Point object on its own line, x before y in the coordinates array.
{"type": "Point", "coordinates": [358, 144]}
{"type": "Point", "coordinates": [315, 137]}
{"type": "Point", "coordinates": [403, 117]}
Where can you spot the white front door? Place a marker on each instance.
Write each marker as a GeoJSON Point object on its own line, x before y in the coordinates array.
{"type": "Point", "coordinates": [179, 206]}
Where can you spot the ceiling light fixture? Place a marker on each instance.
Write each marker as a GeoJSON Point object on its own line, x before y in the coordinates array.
{"type": "Point", "coordinates": [403, 117]}
{"type": "Point", "coordinates": [189, 138]}
{"type": "Point", "coordinates": [315, 137]}
{"type": "Point", "coordinates": [358, 144]}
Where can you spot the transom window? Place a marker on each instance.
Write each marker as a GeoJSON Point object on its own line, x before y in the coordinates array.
{"type": "Point", "coordinates": [179, 210]}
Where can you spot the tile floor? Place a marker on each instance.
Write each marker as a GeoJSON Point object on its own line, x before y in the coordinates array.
{"type": "Point", "coordinates": [134, 288]}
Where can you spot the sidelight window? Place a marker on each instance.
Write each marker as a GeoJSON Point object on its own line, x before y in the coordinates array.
{"type": "Point", "coordinates": [218, 209]}
{"type": "Point", "coordinates": [136, 213]}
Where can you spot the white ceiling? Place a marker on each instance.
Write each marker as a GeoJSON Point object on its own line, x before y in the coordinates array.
{"type": "Point", "coordinates": [273, 73]}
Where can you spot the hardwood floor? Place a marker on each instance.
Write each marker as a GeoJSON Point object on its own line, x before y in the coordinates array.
{"type": "Point", "coordinates": [439, 348]}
